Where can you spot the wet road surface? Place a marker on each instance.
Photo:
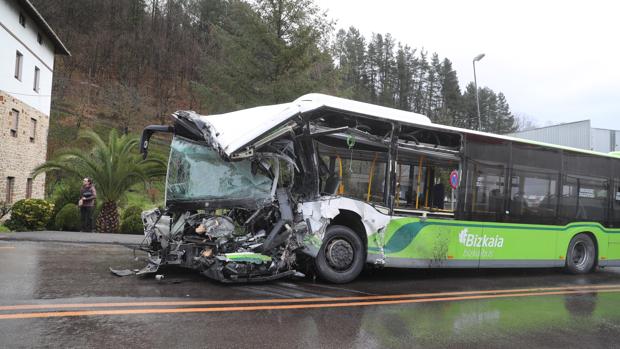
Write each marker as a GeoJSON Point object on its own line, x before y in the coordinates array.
{"type": "Point", "coordinates": [62, 295]}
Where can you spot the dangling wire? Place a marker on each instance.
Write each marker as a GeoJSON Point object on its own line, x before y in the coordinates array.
{"type": "Point", "coordinates": [350, 144]}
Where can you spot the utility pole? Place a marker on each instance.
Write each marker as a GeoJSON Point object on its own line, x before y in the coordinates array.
{"type": "Point", "coordinates": [476, 59]}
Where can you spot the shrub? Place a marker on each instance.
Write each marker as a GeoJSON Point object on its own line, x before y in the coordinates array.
{"type": "Point", "coordinates": [68, 218]}
{"type": "Point", "coordinates": [30, 214]}
{"type": "Point", "coordinates": [131, 211]}
{"type": "Point", "coordinates": [4, 229]}
{"type": "Point", "coordinates": [132, 224]}
{"type": "Point", "coordinates": [66, 191]}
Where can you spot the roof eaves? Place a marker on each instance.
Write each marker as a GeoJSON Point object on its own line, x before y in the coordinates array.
{"type": "Point", "coordinates": [60, 48]}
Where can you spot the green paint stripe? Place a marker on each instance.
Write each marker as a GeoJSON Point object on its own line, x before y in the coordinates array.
{"type": "Point", "coordinates": [247, 257]}
{"type": "Point", "coordinates": [403, 237]}
{"type": "Point", "coordinates": [522, 226]}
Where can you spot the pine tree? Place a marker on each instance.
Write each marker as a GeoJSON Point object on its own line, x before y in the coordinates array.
{"type": "Point", "coordinates": [450, 94]}
{"type": "Point", "coordinates": [469, 114]}
{"type": "Point", "coordinates": [507, 123]}
{"type": "Point", "coordinates": [488, 110]}
{"type": "Point", "coordinates": [405, 66]}
{"type": "Point", "coordinates": [420, 83]}
{"type": "Point", "coordinates": [386, 65]}
{"type": "Point", "coordinates": [372, 71]}
{"type": "Point", "coordinates": [350, 52]}
{"type": "Point", "coordinates": [433, 93]}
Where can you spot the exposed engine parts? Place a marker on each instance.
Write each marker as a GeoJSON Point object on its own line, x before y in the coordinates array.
{"type": "Point", "coordinates": [234, 245]}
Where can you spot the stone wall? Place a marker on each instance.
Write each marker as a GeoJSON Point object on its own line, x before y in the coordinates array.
{"type": "Point", "coordinates": [20, 154]}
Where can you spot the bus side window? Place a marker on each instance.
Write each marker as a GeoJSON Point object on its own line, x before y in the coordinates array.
{"type": "Point", "coordinates": [485, 192]}
{"type": "Point", "coordinates": [364, 179]}
{"type": "Point", "coordinates": [583, 200]}
{"type": "Point", "coordinates": [533, 197]}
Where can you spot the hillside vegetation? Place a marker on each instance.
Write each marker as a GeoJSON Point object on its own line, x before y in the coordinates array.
{"type": "Point", "coordinates": [136, 61]}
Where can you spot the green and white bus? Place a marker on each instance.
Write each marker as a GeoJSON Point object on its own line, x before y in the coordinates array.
{"type": "Point", "coordinates": [252, 194]}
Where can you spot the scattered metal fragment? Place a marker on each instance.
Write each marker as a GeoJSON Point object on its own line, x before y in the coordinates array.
{"type": "Point", "coordinates": [122, 272]}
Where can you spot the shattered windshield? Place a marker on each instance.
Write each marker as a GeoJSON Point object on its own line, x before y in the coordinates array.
{"type": "Point", "coordinates": [197, 172]}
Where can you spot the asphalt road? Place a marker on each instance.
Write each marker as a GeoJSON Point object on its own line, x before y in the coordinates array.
{"type": "Point", "coordinates": [61, 294]}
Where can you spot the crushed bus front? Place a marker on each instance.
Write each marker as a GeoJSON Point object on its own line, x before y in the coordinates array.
{"type": "Point", "coordinates": [253, 194]}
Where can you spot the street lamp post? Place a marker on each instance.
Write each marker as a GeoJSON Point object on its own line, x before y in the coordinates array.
{"type": "Point", "coordinates": [476, 59]}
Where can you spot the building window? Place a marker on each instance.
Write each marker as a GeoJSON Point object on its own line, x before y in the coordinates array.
{"type": "Point", "coordinates": [22, 20]}
{"type": "Point", "coordinates": [39, 38]}
{"type": "Point", "coordinates": [28, 188]}
{"type": "Point", "coordinates": [10, 188]}
{"type": "Point", "coordinates": [37, 73]}
{"type": "Point", "coordinates": [19, 60]}
{"type": "Point", "coordinates": [14, 114]}
{"type": "Point", "coordinates": [33, 130]}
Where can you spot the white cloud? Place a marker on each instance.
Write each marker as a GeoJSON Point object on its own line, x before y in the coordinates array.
{"type": "Point", "coordinates": [554, 60]}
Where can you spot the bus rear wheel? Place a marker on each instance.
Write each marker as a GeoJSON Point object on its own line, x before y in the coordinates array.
{"type": "Point", "coordinates": [341, 257]}
{"type": "Point", "coordinates": [581, 255]}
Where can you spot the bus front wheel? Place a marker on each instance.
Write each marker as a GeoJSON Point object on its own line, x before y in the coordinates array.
{"type": "Point", "coordinates": [581, 255]}
{"type": "Point", "coordinates": [341, 257]}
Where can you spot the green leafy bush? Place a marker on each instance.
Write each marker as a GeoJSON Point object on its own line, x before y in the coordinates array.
{"type": "Point", "coordinates": [132, 224]}
{"type": "Point", "coordinates": [68, 218]}
{"type": "Point", "coordinates": [131, 211]}
{"type": "Point", "coordinates": [66, 191]}
{"type": "Point", "coordinates": [30, 214]}
{"type": "Point", "coordinates": [4, 229]}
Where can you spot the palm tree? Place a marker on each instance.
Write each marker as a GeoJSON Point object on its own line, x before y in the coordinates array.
{"type": "Point", "coordinates": [114, 167]}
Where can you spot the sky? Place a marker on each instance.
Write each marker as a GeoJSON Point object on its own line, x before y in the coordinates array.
{"type": "Point", "coordinates": [556, 61]}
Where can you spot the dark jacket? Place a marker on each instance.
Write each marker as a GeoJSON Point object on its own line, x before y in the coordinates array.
{"type": "Point", "coordinates": [88, 194]}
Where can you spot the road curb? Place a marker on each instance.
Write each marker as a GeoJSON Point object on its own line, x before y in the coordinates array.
{"type": "Point", "coordinates": [74, 238]}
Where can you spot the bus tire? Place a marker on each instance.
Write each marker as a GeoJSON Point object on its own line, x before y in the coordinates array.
{"type": "Point", "coordinates": [342, 255]}
{"type": "Point", "coordinates": [581, 255]}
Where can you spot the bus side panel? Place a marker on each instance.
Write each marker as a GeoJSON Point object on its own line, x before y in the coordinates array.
{"type": "Point", "coordinates": [613, 250]}
{"type": "Point", "coordinates": [409, 242]}
{"type": "Point", "coordinates": [433, 243]}
{"type": "Point", "coordinates": [601, 235]}
{"type": "Point", "coordinates": [511, 245]}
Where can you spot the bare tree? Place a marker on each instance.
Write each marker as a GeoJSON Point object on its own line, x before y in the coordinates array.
{"type": "Point", "coordinates": [525, 122]}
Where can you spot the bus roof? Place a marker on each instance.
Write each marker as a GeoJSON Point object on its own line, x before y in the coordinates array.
{"type": "Point", "coordinates": [237, 129]}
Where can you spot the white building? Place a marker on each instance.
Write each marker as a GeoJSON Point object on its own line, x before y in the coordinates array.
{"type": "Point", "coordinates": [579, 134]}
{"type": "Point", "coordinates": [28, 47]}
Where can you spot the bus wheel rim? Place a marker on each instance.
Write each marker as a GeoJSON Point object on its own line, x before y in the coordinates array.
{"type": "Point", "coordinates": [340, 254]}
{"type": "Point", "coordinates": [580, 255]}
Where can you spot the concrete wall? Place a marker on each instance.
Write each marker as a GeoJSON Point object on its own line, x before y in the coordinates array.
{"type": "Point", "coordinates": [19, 155]}
{"type": "Point", "coordinates": [14, 37]}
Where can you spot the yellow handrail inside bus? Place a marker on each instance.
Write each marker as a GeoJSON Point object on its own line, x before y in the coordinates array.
{"type": "Point", "coordinates": [400, 171]}
{"type": "Point", "coordinates": [417, 193]}
{"type": "Point", "coordinates": [341, 185]}
{"type": "Point", "coordinates": [370, 177]}
{"type": "Point", "coordinates": [428, 185]}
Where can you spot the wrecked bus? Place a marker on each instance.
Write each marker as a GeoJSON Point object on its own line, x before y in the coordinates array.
{"type": "Point", "coordinates": [326, 182]}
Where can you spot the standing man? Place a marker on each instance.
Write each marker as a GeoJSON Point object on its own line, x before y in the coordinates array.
{"type": "Point", "coordinates": [88, 194]}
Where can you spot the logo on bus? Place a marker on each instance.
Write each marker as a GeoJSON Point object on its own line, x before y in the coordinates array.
{"type": "Point", "coordinates": [475, 240]}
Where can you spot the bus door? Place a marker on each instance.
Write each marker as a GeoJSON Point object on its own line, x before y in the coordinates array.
{"type": "Point", "coordinates": [423, 193]}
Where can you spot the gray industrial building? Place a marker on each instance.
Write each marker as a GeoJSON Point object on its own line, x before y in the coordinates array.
{"type": "Point", "coordinates": [579, 134]}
